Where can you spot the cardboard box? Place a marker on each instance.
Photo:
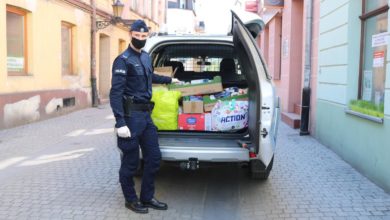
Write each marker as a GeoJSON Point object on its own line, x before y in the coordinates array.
{"type": "Point", "coordinates": [159, 87]}
{"type": "Point", "coordinates": [164, 71]}
{"type": "Point", "coordinates": [209, 103]}
{"type": "Point", "coordinates": [192, 106]}
{"type": "Point", "coordinates": [199, 89]}
{"type": "Point", "coordinates": [193, 122]}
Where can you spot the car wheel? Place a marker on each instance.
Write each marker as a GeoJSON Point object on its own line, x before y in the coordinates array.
{"type": "Point", "coordinates": [257, 169]}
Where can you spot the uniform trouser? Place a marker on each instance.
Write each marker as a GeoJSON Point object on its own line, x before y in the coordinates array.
{"type": "Point", "coordinates": [144, 135]}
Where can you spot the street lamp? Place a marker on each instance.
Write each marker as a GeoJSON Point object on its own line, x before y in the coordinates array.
{"type": "Point", "coordinates": [117, 8]}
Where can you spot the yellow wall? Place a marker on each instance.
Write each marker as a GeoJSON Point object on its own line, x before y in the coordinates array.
{"type": "Point", "coordinates": [40, 93]}
{"type": "Point", "coordinates": [44, 46]}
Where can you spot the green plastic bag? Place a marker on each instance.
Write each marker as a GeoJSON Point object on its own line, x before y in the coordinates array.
{"type": "Point", "coordinates": [166, 108]}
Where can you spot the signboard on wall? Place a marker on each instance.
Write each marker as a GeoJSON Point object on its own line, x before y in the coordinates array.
{"type": "Point", "coordinates": [273, 3]}
{"type": "Point", "coordinates": [380, 39]}
{"type": "Point", "coordinates": [379, 59]}
{"type": "Point", "coordinates": [15, 64]}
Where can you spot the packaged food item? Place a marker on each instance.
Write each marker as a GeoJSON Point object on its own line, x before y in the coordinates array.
{"type": "Point", "coordinates": [207, 122]}
{"type": "Point", "coordinates": [194, 122]}
{"type": "Point", "coordinates": [209, 102]}
{"type": "Point", "coordinates": [231, 93]}
{"type": "Point", "coordinates": [186, 89]}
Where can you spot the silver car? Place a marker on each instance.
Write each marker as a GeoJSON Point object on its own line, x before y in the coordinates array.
{"type": "Point", "coordinates": [254, 145]}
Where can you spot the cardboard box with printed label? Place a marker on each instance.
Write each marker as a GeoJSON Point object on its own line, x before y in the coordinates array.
{"type": "Point", "coordinates": [213, 86]}
{"type": "Point", "coordinates": [193, 122]}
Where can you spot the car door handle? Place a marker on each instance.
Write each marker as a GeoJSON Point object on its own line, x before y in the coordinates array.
{"type": "Point", "coordinates": [265, 107]}
{"type": "Point", "coordinates": [264, 132]}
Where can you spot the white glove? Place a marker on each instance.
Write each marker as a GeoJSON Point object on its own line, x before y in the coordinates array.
{"type": "Point", "coordinates": [123, 132]}
{"type": "Point", "coordinates": [175, 80]}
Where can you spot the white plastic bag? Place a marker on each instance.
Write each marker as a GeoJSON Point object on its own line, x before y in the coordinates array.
{"type": "Point", "coordinates": [229, 115]}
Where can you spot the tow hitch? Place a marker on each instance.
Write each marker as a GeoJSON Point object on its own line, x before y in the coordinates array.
{"type": "Point", "coordinates": [191, 164]}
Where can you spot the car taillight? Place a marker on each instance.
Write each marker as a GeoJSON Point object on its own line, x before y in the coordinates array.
{"type": "Point", "coordinates": [252, 155]}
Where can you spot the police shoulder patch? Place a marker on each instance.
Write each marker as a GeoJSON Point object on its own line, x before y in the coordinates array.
{"type": "Point", "coordinates": [120, 71]}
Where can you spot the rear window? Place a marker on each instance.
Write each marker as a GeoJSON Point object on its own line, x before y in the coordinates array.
{"type": "Point", "coordinates": [195, 57]}
{"type": "Point", "coordinates": [199, 64]}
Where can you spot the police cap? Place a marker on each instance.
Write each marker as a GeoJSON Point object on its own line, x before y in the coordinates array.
{"type": "Point", "coordinates": [139, 26]}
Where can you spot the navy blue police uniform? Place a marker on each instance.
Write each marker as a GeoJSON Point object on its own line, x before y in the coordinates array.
{"type": "Point", "coordinates": [132, 78]}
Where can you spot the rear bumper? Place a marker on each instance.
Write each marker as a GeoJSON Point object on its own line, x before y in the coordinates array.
{"type": "Point", "coordinates": [204, 154]}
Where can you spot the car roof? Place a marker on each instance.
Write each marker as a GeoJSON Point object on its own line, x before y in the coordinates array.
{"type": "Point", "coordinates": [155, 40]}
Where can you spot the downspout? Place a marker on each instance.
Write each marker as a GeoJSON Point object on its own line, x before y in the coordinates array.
{"type": "Point", "coordinates": [307, 71]}
{"type": "Point", "coordinates": [93, 55]}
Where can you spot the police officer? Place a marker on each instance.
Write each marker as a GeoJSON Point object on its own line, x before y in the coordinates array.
{"type": "Point", "coordinates": [131, 91]}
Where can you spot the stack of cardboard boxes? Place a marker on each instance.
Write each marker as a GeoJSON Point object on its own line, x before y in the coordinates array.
{"type": "Point", "coordinates": [197, 103]}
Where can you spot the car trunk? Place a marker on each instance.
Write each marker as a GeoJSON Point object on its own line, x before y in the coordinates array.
{"type": "Point", "coordinates": [188, 138]}
{"type": "Point", "coordinates": [258, 139]}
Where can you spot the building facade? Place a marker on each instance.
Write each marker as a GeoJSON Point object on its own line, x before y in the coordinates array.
{"type": "Point", "coordinates": [181, 17]}
{"type": "Point", "coordinates": [349, 78]}
{"type": "Point", "coordinates": [353, 96]}
{"type": "Point", "coordinates": [154, 12]}
{"type": "Point", "coordinates": [289, 44]}
{"type": "Point", "coordinates": [47, 50]}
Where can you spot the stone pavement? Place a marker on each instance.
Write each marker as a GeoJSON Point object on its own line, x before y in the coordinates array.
{"type": "Point", "coordinates": [67, 168]}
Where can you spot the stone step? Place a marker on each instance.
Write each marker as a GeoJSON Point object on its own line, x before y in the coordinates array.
{"type": "Point", "coordinates": [291, 119]}
{"type": "Point", "coordinates": [297, 109]}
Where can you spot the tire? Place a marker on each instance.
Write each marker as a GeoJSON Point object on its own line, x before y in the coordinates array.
{"type": "Point", "coordinates": [140, 169]}
{"type": "Point", "coordinates": [257, 169]}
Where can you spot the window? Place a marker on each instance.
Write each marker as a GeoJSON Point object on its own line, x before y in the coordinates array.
{"type": "Point", "coordinates": [66, 48]}
{"type": "Point", "coordinates": [134, 5]}
{"type": "Point", "coordinates": [199, 64]}
{"type": "Point", "coordinates": [182, 4]}
{"type": "Point", "coordinates": [372, 72]}
{"type": "Point", "coordinates": [152, 7]}
{"type": "Point", "coordinates": [16, 41]}
{"type": "Point", "coordinates": [68, 102]}
{"type": "Point", "coordinates": [173, 4]}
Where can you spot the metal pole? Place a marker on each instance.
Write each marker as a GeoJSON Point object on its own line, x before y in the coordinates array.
{"type": "Point", "coordinates": [307, 72]}
{"type": "Point", "coordinates": [93, 55]}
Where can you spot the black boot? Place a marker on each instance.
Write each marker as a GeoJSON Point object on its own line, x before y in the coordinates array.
{"type": "Point", "coordinates": [137, 207]}
{"type": "Point", "coordinates": [155, 204]}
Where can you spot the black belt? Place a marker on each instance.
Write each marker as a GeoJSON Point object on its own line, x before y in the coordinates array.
{"type": "Point", "coordinates": [130, 107]}
{"type": "Point", "coordinates": [141, 107]}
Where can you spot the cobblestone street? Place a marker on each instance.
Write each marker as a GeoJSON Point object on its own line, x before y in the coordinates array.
{"type": "Point", "coordinates": [67, 168]}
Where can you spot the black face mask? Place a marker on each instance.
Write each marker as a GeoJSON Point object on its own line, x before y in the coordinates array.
{"type": "Point", "coordinates": [138, 43]}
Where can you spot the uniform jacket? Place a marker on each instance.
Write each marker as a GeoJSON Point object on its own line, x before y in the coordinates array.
{"type": "Point", "coordinates": [132, 76]}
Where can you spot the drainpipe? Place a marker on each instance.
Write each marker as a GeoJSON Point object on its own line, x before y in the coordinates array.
{"type": "Point", "coordinates": [307, 72]}
{"type": "Point", "coordinates": [93, 55]}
